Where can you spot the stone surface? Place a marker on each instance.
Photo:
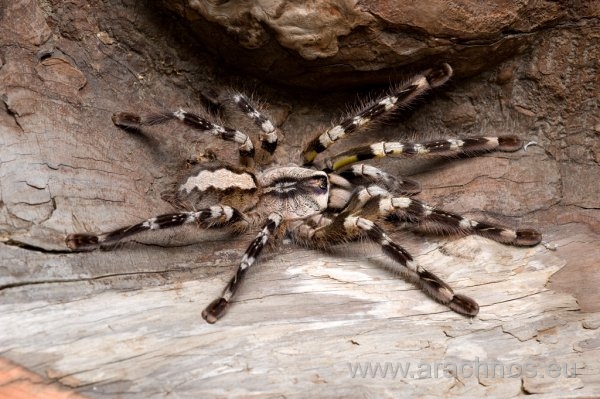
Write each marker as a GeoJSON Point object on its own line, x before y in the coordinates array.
{"type": "Point", "coordinates": [127, 322]}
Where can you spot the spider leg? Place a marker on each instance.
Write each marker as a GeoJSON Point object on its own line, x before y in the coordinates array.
{"type": "Point", "coordinates": [421, 216]}
{"type": "Point", "coordinates": [347, 226]}
{"type": "Point", "coordinates": [268, 138]}
{"type": "Point", "coordinates": [215, 216]}
{"type": "Point", "coordinates": [398, 99]}
{"type": "Point", "coordinates": [218, 307]}
{"type": "Point", "coordinates": [360, 174]}
{"type": "Point", "coordinates": [130, 121]}
{"type": "Point", "coordinates": [439, 148]}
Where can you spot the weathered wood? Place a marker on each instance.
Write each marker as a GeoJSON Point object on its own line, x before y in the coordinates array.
{"type": "Point", "coordinates": [17, 382]}
{"type": "Point", "coordinates": [126, 323]}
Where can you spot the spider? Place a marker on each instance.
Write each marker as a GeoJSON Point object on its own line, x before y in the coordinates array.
{"type": "Point", "coordinates": [341, 200]}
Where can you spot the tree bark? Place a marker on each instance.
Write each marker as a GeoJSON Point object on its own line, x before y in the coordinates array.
{"type": "Point", "coordinates": [127, 322]}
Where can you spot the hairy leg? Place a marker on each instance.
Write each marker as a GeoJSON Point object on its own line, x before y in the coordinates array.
{"type": "Point", "coordinates": [130, 121]}
{"type": "Point", "coordinates": [470, 146]}
{"type": "Point", "coordinates": [363, 174]}
{"type": "Point", "coordinates": [346, 226]}
{"type": "Point", "coordinates": [218, 307]}
{"type": "Point", "coordinates": [379, 109]}
{"type": "Point", "coordinates": [215, 216]}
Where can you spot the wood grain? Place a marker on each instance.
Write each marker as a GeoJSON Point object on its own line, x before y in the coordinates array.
{"type": "Point", "coordinates": [126, 323]}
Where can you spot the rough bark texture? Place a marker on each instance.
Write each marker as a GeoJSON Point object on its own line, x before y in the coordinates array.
{"type": "Point", "coordinates": [126, 323]}
{"type": "Point", "coordinates": [348, 42]}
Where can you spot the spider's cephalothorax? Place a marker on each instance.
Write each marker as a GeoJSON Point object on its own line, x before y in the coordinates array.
{"type": "Point", "coordinates": [341, 201]}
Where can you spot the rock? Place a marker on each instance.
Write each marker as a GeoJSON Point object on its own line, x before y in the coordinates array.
{"type": "Point", "coordinates": [336, 43]}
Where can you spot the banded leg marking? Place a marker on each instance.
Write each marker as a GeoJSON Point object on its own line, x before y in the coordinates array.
{"type": "Point", "coordinates": [435, 220]}
{"type": "Point", "coordinates": [369, 174]}
{"type": "Point", "coordinates": [352, 226]}
{"type": "Point", "coordinates": [218, 307]}
{"type": "Point", "coordinates": [464, 146]}
{"type": "Point", "coordinates": [269, 137]}
{"type": "Point", "coordinates": [131, 121]}
{"type": "Point", "coordinates": [429, 283]}
{"type": "Point", "coordinates": [215, 216]}
{"type": "Point", "coordinates": [398, 99]}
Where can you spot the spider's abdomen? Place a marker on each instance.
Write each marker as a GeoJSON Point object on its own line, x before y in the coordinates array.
{"type": "Point", "coordinates": [206, 185]}
{"type": "Point", "coordinates": [294, 192]}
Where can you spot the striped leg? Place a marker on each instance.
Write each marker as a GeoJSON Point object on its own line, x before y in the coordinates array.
{"type": "Point", "coordinates": [346, 225]}
{"type": "Point", "coordinates": [440, 148]}
{"type": "Point", "coordinates": [361, 174]}
{"type": "Point", "coordinates": [130, 121]}
{"type": "Point", "coordinates": [215, 216]}
{"type": "Point", "coordinates": [379, 109]}
{"type": "Point", "coordinates": [424, 217]}
{"type": "Point", "coordinates": [218, 307]}
{"type": "Point", "coordinates": [268, 138]}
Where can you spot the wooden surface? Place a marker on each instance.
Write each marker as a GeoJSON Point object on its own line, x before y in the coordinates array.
{"type": "Point", "coordinates": [297, 323]}
{"type": "Point", "coordinates": [18, 383]}
{"type": "Point", "coordinates": [127, 323]}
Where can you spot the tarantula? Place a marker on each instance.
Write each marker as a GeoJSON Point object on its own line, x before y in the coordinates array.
{"type": "Point", "coordinates": [341, 201]}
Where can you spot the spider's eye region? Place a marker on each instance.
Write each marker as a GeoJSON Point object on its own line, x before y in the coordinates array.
{"type": "Point", "coordinates": [320, 183]}
{"type": "Point", "coordinates": [315, 184]}
{"type": "Point", "coordinates": [286, 186]}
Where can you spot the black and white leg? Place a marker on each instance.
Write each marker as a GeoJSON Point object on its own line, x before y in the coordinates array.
{"type": "Point", "coordinates": [218, 307]}
{"type": "Point", "coordinates": [130, 121]}
{"type": "Point", "coordinates": [268, 138]}
{"type": "Point", "coordinates": [440, 148]}
{"type": "Point", "coordinates": [379, 109]}
{"type": "Point", "coordinates": [362, 174]}
{"type": "Point", "coordinates": [423, 217]}
{"type": "Point", "coordinates": [215, 216]}
{"type": "Point", "coordinates": [347, 226]}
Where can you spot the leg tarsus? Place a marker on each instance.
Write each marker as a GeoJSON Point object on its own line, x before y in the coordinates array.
{"type": "Point", "coordinates": [503, 235]}
{"type": "Point", "coordinates": [133, 122]}
{"type": "Point", "coordinates": [528, 238]}
{"type": "Point", "coordinates": [509, 143]}
{"type": "Point", "coordinates": [464, 305]}
{"type": "Point", "coordinates": [126, 119]}
{"type": "Point", "coordinates": [444, 294]}
{"type": "Point", "coordinates": [82, 242]}
{"type": "Point", "coordinates": [438, 76]}
{"type": "Point", "coordinates": [215, 310]}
